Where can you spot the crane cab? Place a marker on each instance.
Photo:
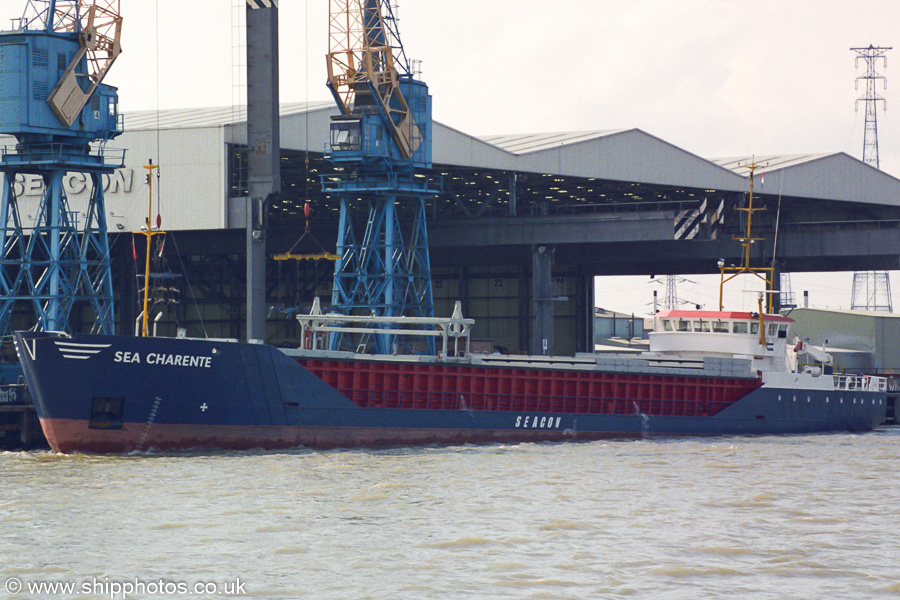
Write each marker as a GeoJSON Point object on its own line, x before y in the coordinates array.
{"type": "Point", "coordinates": [31, 63]}
{"type": "Point", "coordinates": [365, 134]}
{"type": "Point", "coordinates": [358, 138]}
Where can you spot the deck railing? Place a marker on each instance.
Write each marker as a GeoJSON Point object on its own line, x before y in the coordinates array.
{"type": "Point", "coordinates": [862, 383]}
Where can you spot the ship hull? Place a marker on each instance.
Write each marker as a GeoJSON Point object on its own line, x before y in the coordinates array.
{"type": "Point", "coordinates": [120, 394]}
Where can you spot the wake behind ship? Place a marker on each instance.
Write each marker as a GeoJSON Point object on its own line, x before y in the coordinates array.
{"type": "Point", "coordinates": [707, 373]}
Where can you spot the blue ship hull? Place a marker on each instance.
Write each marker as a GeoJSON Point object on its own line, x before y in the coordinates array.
{"type": "Point", "coordinates": [123, 394]}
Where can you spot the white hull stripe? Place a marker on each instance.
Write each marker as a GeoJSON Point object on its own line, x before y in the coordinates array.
{"type": "Point", "coordinates": [74, 345]}
{"type": "Point", "coordinates": [79, 351]}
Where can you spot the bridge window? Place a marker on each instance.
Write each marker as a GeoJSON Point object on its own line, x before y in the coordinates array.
{"type": "Point", "coordinates": [346, 135]}
{"type": "Point", "coordinates": [701, 325]}
{"type": "Point", "coordinates": [771, 330]}
{"type": "Point", "coordinates": [720, 327]}
{"type": "Point", "coordinates": [683, 326]}
{"type": "Point", "coordinates": [667, 325]}
{"type": "Point", "coordinates": [754, 327]}
{"type": "Point", "coordinates": [740, 327]}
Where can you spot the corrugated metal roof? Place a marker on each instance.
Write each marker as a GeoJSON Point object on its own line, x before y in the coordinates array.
{"type": "Point", "coordinates": [206, 117]}
{"type": "Point", "coordinates": [534, 142]}
{"type": "Point", "coordinates": [769, 163]}
{"type": "Point", "coordinates": [614, 154]}
{"type": "Point", "coordinates": [628, 155]}
{"type": "Point", "coordinates": [826, 176]}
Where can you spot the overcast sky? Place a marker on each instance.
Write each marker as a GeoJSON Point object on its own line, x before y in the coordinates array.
{"type": "Point", "coordinates": [715, 77]}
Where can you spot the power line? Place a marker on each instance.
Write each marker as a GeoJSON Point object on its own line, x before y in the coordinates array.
{"type": "Point", "coordinates": [871, 289]}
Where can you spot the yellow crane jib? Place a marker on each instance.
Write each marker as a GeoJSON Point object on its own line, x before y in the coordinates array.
{"type": "Point", "coordinates": [100, 33]}
{"type": "Point", "coordinates": [362, 70]}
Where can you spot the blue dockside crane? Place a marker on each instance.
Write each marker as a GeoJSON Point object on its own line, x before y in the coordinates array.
{"type": "Point", "coordinates": [56, 252]}
{"type": "Point", "coordinates": [381, 147]}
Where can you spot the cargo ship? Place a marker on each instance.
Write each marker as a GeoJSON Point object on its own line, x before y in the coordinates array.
{"type": "Point", "coordinates": [706, 373]}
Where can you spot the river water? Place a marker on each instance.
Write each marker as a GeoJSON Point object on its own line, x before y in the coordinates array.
{"type": "Point", "coordinates": [771, 517]}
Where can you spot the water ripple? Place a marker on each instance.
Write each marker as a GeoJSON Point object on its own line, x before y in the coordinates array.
{"type": "Point", "coordinates": [798, 517]}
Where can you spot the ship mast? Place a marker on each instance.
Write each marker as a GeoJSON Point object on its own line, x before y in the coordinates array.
{"type": "Point", "coordinates": [764, 273]}
{"type": "Point", "coordinates": [148, 231]}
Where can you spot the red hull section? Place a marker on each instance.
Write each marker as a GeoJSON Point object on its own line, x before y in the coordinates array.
{"type": "Point", "coordinates": [374, 384]}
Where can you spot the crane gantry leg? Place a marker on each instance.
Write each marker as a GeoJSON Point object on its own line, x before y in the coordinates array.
{"type": "Point", "coordinates": [383, 275]}
{"type": "Point", "coordinates": [53, 261]}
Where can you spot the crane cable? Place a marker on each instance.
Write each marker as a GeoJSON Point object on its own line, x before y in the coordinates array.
{"type": "Point", "coordinates": [184, 270]}
{"type": "Point", "coordinates": [324, 254]}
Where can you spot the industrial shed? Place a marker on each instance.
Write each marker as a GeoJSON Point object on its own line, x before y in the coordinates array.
{"type": "Point", "coordinates": [515, 210]}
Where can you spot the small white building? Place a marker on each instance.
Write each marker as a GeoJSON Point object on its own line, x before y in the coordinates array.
{"type": "Point", "coordinates": [859, 340]}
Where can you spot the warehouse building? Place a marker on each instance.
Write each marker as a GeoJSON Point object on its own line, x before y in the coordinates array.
{"type": "Point", "coordinates": [515, 211]}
